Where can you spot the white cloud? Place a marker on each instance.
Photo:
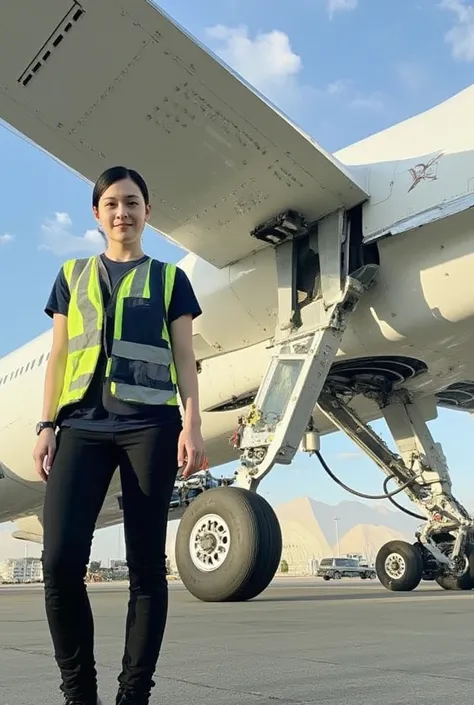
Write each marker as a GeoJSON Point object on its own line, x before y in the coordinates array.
{"type": "Point", "coordinates": [57, 237]}
{"type": "Point", "coordinates": [267, 62]}
{"type": "Point", "coordinates": [347, 91]}
{"type": "Point", "coordinates": [336, 87]}
{"type": "Point", "coordinates": [334, 6]}
{"type": "Point", "coordinates": [349, 455]}
{"type": "Point", "coordinates": [461, 36]}
{"type": "Point", "coordinates": [372, 102]}
{"type": "Point", "coordinates": [5, 239]}
{"type": "Point", "coordinates": [412, 75]}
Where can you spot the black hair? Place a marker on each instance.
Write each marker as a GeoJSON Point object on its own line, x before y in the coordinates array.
{"type": "Point", "coordinates": [111, 176]}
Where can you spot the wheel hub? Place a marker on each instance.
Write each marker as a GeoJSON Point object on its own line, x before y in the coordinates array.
{"type": "Point", "coordinates": [395, 566]}
{"type": "Point", "coordinates": [209, 542]}
{"type": "Point", "coordinates": [461, 563]}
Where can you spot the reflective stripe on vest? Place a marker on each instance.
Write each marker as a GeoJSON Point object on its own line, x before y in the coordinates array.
{"type": "Point", "coordinates": [142, 373]}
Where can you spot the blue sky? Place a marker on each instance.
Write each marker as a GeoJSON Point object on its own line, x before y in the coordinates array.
{"type": "Point", "coordinates": [342, 69]}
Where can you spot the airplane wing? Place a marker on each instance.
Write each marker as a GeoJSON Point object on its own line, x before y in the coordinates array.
{"type": "Point", "coordinates": [105, 82]}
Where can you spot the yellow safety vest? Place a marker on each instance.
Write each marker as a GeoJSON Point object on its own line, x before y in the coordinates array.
{"type": "Point", "coordinates": [139, 373]}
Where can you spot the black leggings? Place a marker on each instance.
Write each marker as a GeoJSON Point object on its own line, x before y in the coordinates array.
{"type": "Point", "coordinates": [79, 478]}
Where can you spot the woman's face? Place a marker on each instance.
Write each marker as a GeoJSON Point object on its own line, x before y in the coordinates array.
{"type": "Point", "coordinates": [122, 212]}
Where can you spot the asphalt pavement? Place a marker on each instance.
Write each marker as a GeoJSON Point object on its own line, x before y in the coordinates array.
{"type": "Point", "coordinates": [302, 641]}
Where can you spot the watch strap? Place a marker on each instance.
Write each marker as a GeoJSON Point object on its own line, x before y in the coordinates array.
{"type": "Point", "coordinates": [41, 425]}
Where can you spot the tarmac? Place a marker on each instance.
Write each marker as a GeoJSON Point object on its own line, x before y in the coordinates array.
{"type": "Point", "coordinates": [301, 641]}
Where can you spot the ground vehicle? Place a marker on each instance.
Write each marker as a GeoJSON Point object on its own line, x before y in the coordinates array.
{"type": "Point", "coordinates": [367, 572]}
{"type": "Point", "coordinates": [361, 263]}
{"type": "Point", "coordinates": [337, 568]}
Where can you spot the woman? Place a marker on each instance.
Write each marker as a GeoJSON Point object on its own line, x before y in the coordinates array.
{"type": "Point", "coordinates": [121, 352]}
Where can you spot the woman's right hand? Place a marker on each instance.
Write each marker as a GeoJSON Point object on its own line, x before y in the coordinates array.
{"type": "Point", "coordinates": [44, 451]}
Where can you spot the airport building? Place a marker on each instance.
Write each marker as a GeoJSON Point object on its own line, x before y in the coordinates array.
{"type": "Point", "coordinates": [21, 570]}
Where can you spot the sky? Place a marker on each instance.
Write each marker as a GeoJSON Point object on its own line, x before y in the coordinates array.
{"type": "Point", "coordinates": [342, 70]}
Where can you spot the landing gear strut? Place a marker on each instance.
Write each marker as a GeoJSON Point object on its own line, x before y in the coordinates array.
{"type": "Point", "coordinates": [229, 542]}
{"type": "Point", "coordinates": [444, 547]}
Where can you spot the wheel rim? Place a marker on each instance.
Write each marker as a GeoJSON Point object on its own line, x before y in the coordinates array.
{"type": "Point", "coordinates": [209, 542]}
{"type": "Point", "coordinates": [462, 566]}
{"type": "Point", "coordinates": [395, 566]}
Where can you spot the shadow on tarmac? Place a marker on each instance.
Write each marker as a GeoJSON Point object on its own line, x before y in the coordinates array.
{"type": "Point", "coordinates": [335, 597]}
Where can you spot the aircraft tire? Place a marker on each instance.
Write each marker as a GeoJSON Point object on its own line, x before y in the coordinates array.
{"type": "Point", "coordinates": [228, 545]}
{"type": "Point", "coordinates": [399, 566]}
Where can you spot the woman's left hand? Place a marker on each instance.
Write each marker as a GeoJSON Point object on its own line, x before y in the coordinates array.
{"type": "Point", "coordinates": [191, 451]}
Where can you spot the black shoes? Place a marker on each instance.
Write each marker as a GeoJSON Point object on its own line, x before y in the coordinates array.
{"type": "Point", "coordinates": [128, 695]}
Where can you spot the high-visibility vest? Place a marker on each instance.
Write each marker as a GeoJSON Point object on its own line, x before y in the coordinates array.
{"type": "Point", "coordinates": [139, 372]}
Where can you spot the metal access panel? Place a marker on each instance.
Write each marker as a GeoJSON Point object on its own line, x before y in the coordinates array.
{"type": "Point", "coordinates": [105, 82]}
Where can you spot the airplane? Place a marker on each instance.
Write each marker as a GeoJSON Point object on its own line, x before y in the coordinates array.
{"type": "Point", "coordinates": [337, 289]}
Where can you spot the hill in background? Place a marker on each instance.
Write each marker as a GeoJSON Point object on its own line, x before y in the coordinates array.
{"type": "Point", "coordinates": [362, 528]}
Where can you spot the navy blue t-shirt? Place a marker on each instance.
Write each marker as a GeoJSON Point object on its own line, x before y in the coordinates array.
{"type": "Point", "coordinates": [90, 412]}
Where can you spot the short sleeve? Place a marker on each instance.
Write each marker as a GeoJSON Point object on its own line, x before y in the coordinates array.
{"type": "Point", "coordinates": [183, 299]}
{"type": "Point", "coordinates": [59, 297]}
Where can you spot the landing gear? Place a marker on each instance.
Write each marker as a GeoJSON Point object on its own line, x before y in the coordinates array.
{"type": "Point", "coordinates": [229, 541]}
{"type": "Point", "coordinates": [463, 581]}
{"type": "Point", "coordinates": [445, 541]}
{"type": "Point", "coordinates": [228, 545]}
{"type": "Point", "coordinates": [399, 566]}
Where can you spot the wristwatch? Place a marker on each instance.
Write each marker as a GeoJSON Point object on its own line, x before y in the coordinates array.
{"type": "Point", "coordinates": [42, 425]}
